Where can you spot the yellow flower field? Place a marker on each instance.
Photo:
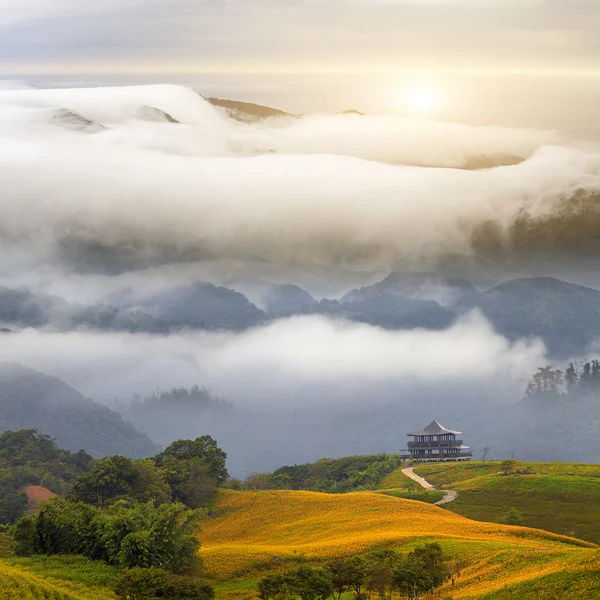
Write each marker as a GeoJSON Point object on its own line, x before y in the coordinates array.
{"type": "Point", "coordinates": [258, 532]}
{"type": "Point", "coordinates": [16, 584]}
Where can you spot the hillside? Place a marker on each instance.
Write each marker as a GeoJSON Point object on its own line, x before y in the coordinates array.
{"type": "Point", "coordinates": [33, 400]}
{"type": "Point", "coordinates": [259, 532]}
{"type": "Point", "coordinates": [558, 497]}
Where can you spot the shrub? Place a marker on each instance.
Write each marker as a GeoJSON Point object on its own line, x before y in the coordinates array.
{"type": "Point", "coordinates": [152, 583]}
{"type": "Point", "coordinates": [142, 584]}
{"type": "Point", "coordinates": [513, 517]}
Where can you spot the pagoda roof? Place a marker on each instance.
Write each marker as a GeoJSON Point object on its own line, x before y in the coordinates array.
{"type": "Point", "coordinates": [434, 428]}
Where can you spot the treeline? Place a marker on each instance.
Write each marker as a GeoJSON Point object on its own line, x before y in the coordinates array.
{"type": "Point", "coordinates": [578, 379]}
{"type": "Point", "coordinates": [382, 573]}
{"type": "Point", "coordinates": [28, 458]}
{"type": "Point", "coordinates": [141, 516]}
{"type": "Point", "coordinates": [335, 476]}
{"type": "Point", "coordinates": [196, 398]}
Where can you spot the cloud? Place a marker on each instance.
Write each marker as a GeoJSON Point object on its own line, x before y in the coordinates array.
{"type": "Point", "coordinates": [274, 363]}
{"type": "Point", "coordinates": [206, 34]}
{"type": "Point", "coordinates": [98, 179]}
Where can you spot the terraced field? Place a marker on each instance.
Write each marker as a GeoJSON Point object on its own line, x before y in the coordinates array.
{"type": "Point", "coordinates": [259, 532]}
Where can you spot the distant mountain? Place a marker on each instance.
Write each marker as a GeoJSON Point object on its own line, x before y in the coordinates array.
{"type": "Point", "coordinates": [565, 316]}
{"type": "Point", "coordinates": [247, 111]}
{"type": "Point", "coordinates": [201, 305]}
{"type": "Point", "coordinates": [489, 161]}
{"type": "Point", "coordinates": [388, 312]}
{"type": "Point", "coordinates": [32, 400]}
{"type": "Point", "coordinates": [423, 286]}
{"type": "Point", "coordinates": [286, 298]}
{"type": "Point", "coordinates": [23, 308]}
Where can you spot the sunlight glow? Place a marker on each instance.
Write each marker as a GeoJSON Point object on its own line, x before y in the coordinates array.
{"type": "Point", "coordinates": [421, 99]}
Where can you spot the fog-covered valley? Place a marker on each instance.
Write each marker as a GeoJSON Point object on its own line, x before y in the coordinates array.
{"type": "Point", "coordinates": [339, 280]}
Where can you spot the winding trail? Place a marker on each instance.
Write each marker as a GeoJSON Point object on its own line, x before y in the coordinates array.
{"type": "Point", "coordinates": [449, 495]}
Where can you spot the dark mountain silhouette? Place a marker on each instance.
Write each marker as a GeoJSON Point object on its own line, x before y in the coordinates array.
{"type": "Point", "coordinates": [286, 298]}
{"type": "Point", "coordinates": [414, 285]}
{"type": "Point", "coordinates": [32, 400]}
{"type": "Point", "coordinates": [204, 306]}
{"type": "Point", "coordinates": [23, 308]}
{"type": "Point", "coordinates": [565, 316]}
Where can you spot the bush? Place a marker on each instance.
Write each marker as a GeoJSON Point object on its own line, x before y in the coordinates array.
{"type": "Point", "coordinates": [189, 588]}
{"type": "Point", "coordinates": [142, 584]}
{"type": "Point", "coordinates": [141, 535]}
{"type": "Point", "coordinates": [513, 517]}
{"type": "Point", "coordinates": [149, 584]}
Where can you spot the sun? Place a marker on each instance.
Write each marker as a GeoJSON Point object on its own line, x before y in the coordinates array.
{"type": "Point", "coordinates": [421, 99]}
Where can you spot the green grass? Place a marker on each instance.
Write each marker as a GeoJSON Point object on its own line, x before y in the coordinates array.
{"type": "Point", "coordinates": [236, 590]}
{"type": "Point", "coordinates": [422, 495]}
{"type": "Point", "coordinates": [559, 497]}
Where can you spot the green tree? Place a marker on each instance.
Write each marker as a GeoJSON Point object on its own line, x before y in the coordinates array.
{"type": "Point", "coordinates": [204, 448]}
{"type": "Point", "coordinates": [190, 481]}
{"type": "Point", "coordinates": [110, 478]}
{"type": "Point", "coordinates": [380, 567]}
{"type": "Point", "coordinates": [309, 583]}
{"type": "Point", "coordinates": [342, 574]}
{"type": "Point", "coordinates": [274, 587]}
{"type": "Point", "coordinates": [121, 534]}
{"type": "Point", "coordinates": [12, 506]}
{"type": "Point", "coordinates": [424, 569]}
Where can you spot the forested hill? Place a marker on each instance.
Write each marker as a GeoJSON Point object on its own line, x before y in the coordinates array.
{"type": "Point", "coordinates": [333, 475]}
{"type": "Point", "coordinates": [33, 400]}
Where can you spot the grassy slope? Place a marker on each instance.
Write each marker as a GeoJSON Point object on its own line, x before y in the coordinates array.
{"type": "Point", "coordinates": [398, 485]}
{"type": "Point", "coordinates": [558, 497]}
{"type": "Point", "coordinates": [260, 532]}
{"type": "Point", "coordinates": [19, 583]}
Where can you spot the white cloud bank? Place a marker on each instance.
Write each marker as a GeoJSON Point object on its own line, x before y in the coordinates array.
{"type": "Point", "coordinates": [134, 187]}
{"type": "Point", "coordinates": [309, 357]}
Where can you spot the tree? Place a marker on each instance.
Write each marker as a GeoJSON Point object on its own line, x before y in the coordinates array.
{"type": "Point", "coordinates": [310, 584]}
{"type": "Point", "coordinates": [12, 506]}
{"type": "Point", "coordinates": [204, 448]}
{"type": "Point", "coordinates": [484, 453]}
{"type": "Point", "coordinates": [109, 479]}
{"type": "Point", "coordinates": [380, 572]}
{"type": "Point", "coordinates": [342, 574]}
{"type": "Point", "coordinates": [121, 534]}
{"type": "Point", "coordinates": [423, 569]}
{"type": "Point", "coordinates": [274, 587]}
{"type": "Point", "coordinates": [571, 378]}
{"type": "Point", "coordinates": [118, 477]}
{"type": "Point", "coordinates": [190, 481]}
{"type": "Point", "coordinates": [359, 574]}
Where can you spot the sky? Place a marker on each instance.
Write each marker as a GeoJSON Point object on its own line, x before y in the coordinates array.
{"type": "Point", "coordinates": [103, 194]}
{"type": "Point", "coordinates": [510, 62]}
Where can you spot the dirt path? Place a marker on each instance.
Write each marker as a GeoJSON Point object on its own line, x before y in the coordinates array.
{"type": "Point", "coordinates": [449, 495]}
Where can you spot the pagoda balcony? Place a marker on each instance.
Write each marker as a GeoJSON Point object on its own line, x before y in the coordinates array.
{"type": "Point", "coordinates": [436, 444]}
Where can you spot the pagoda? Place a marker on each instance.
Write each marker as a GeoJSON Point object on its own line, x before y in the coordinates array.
{"type": "Point", "coordinates": [435, 443]}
